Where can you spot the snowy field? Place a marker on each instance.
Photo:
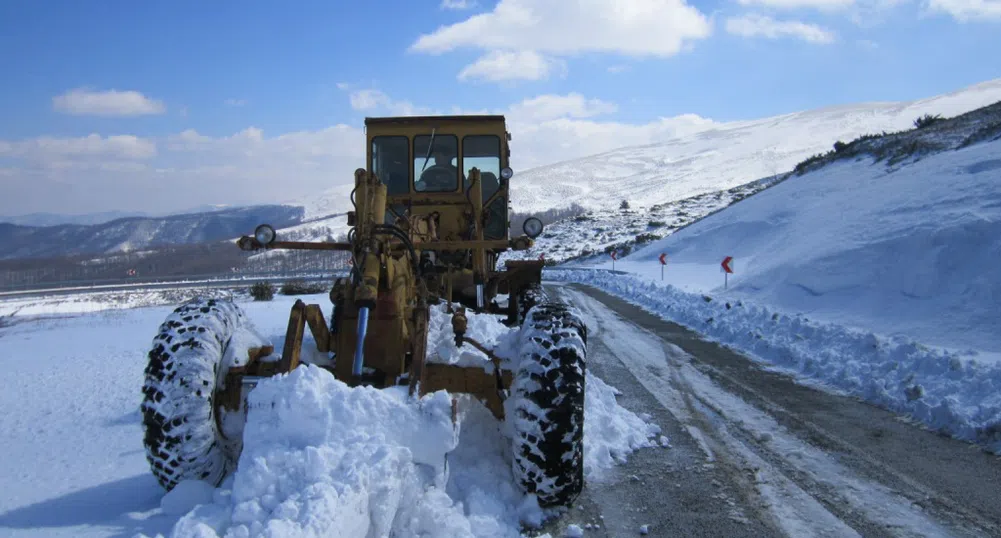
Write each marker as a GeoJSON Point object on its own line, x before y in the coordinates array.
{"type": "Point", "coordinates": [324, 457]}
{"type": "Point", "coordinates": [882, 284]}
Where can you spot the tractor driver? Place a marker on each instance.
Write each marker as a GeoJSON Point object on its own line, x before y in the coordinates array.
{"type": "Point", "coordinates": [442, 175]}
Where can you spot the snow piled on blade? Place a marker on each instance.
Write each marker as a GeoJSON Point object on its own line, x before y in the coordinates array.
{"type": "Point", "coordinates": [321, 458]}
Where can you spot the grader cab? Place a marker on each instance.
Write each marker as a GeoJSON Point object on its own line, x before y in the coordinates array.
{"type": "Point", "coordinates": [428, 224]}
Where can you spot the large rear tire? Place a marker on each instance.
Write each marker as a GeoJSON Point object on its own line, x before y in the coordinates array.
{"type": "Point", "coordinates": [546, 407]}
{"type": "Point", "coordinates": [187, 363]}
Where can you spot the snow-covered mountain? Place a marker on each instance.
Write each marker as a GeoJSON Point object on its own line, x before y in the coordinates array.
{"type": "Point", "coordinates": [723, 156]}
{"type": "Point", "coordinates": [601, 231]}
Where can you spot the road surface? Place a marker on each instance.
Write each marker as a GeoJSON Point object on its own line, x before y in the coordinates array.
{"type": "Point", "coordinates": [754, 454]}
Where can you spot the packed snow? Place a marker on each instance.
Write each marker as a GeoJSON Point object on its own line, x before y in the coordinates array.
{"type": "Point", "coordinates": [882, 283]}
{"type": "Point", "coordinates": [318, 455]}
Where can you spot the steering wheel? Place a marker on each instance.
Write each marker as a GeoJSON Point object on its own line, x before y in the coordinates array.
{"type": "Point", "coordinates": [438, 177]}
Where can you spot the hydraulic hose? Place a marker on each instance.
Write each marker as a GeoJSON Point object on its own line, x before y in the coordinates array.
{"type": "Point", "coordinates": [356, 368]}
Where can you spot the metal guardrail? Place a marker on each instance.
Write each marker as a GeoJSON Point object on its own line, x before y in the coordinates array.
{"type": "Point", "coordinates": [127, 283]}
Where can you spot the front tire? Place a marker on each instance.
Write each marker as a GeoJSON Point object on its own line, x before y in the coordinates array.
{"type": "Point", "coordinates": [188, 360]}
{"type": "Point", "coordinates": [546, 408]}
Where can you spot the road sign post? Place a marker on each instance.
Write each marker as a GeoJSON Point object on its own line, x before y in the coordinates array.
{"type": "Point", "coordinates": [663, 262]}
{"type": "Point", "coordinates": [613, 260]}
{"type": "Point", "coordinates": [727, 269]}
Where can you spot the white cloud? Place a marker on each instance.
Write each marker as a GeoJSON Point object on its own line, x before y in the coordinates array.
{"type": "Point", "coordinates": [85, 102]}
{"type": "Point", "coordinates": [547, 107]}
{"type": "Point", "coordinates": [659, 28]}
{"type": "Point", "coordinates": [762, 26]}
{"type": "Point", "coordinates": [825, 5]}
{"type": "Point", "coordinates": [499, 65]}
{"type": "Point", "coordinates": [618, 68]}
{"type": "Point", "coordinates": [968, 10]}
{"type": "Point", "coordinates": [47, 148]}
{"type": "Point", "coordinates": [369, 100]}
{"type": "Point", "coordinates": [235, 102]}
{"type": "Point", "coordinates": [457, 4]}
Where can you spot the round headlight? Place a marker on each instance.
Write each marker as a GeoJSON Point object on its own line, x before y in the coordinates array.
{"type": "Point", "coordinates": [532, 227]}
{"type": "Point", "coordinates": [507, 173]}
{"type": "Point", "coordinates": [264, 234]}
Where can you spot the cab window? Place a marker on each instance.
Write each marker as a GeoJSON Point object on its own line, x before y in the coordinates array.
{"type": "Point", "coordinates": [389, 162]}
{"type": "Point", "coordinates": [483, 152]}
{"type": "Point", "coordinates": [440, 173]}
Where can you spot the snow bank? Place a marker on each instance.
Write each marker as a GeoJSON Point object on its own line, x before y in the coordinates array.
{"type": "Point", "coordinates": [948, 391]}
{"type": "Point", "coordinates": [610, 432]}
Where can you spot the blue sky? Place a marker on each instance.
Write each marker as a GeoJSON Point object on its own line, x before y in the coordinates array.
{"type": "Point", "coordinates": [212, 81]}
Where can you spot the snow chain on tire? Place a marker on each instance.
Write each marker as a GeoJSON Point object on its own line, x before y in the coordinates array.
{"type": "Point", "coordinates": [181, 435]}
{"type": "Point", "coordinates": [548, 405]}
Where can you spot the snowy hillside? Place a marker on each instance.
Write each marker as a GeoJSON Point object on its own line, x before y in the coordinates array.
{"type": "Point", "coordinates": [913, 250]}
{"type": "Point", "coordinates": [599, 232]}
{"type": "Point", "coordinates": [722, 156]}
{"type": "Point", "coordinates": [876, 277]}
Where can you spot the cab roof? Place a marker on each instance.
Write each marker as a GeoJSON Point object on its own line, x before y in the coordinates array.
{"type": "Point", "coordinates": [433, 120]}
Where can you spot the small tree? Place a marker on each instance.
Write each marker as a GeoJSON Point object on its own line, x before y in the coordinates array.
{"type": "Point", "coordinates": [927, 120]}
{"type": "Point", "coordinates": [624, 205]}
{"type": "Point", "coordinates": [262, 291]}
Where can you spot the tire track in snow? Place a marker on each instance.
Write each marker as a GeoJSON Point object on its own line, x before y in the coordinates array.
{"type": "Point", "coordinates": [774, 497]}
{"type": "Point", "coordinates": [806, 488]}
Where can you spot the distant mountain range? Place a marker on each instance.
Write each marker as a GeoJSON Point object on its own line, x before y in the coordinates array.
{"type": "Point", "coordinates": [55, 219]}
{"type": "Point", "coordinates": [138, 233]}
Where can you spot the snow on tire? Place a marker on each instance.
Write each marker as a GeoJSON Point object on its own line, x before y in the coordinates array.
{"type": "Point", "coordinates": [196, 345]}
{"type": "Point", "coordinates": [546, 407]}
{"type": "Point", "coordinates": [531, 295]}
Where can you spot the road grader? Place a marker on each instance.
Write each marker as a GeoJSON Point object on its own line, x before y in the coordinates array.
{"type": "Point", "coordinates": [429, 222]}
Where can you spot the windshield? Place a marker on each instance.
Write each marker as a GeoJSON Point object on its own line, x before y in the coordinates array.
{"type": "Point", "coordinates": [440, 172]}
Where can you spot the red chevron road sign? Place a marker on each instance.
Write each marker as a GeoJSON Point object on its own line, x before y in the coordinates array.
{"type": "Point", "coordinates": [726, 264]}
